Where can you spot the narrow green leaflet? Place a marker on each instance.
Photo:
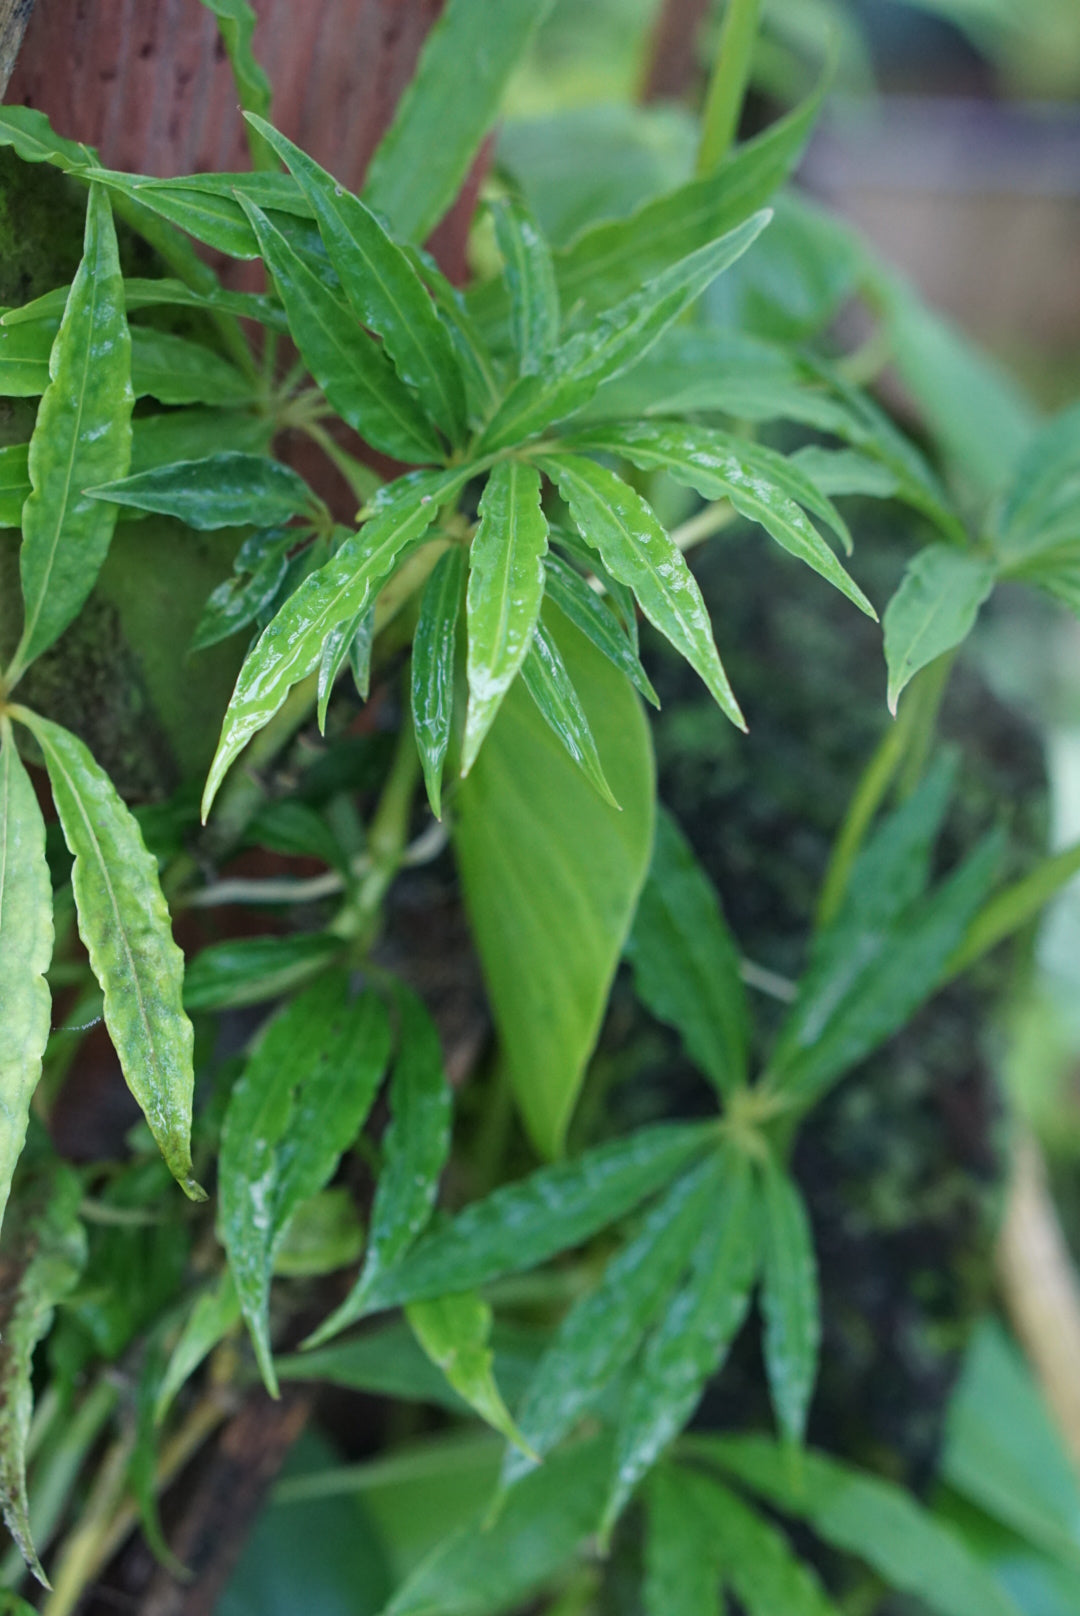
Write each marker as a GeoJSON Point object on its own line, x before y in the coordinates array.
{"type": "Point", "coordinates": [682, 1569]}
{"type": "Point", "coordinates": [383, 289]}
{"type": "Point", "coordinates": [470, 349]}
{"type": "Point", "coordinates": [236, 23]}
{"type": "Point", "coordinates": [216, 220]}
{"type": "Point", "coordinates": [140, 293]}
{"type": "Point", "coordinates": [789, 1299]}
{"type": "Point", "coordinates": [506, 587]}
{"type": "Point", "coordinates": [26, 944]}
{"type": "Point", "coordinates": [353, 371]}
{"type": "Point", "coordinates": [603, 1330]}
{"type": "Point", "coordinates": [253, 970]}
{"type": "Point", "coordinates": [222, 490]}
{"type": "Point", "coordinates": [455, 1332]}
{"type": "Point", "coordinates": [686, 965]}
{"type": "Point", "coordinates": [415, 1149]}
{"type": "Point", "coordinates": [15, 484]}
{"type": "Point", "coordinates": [874, 1519]}
{"type": "Point", "coordinates": [176, 371]}
{"type": "Point", "coordinates": [432, 672]}
{"type": "Point", "coordinates": [692, 1338]}
{"type": "Point", "coordinates": [580, 603]}
{"type": "Point", "coordinates": [335, 654]}
{"type": "Point", "coordinates": [567, 381]}
{"type": "Point", "coordinates": [614, 519]}
{"type": "Point", "coordinates": [82, 437]}
{"type": "Point", "coordinates": [35, 141]}
{"type": "Point", "coordinates": [124, 922]}
{"type": "Point", "coordinates": [216, 1312]}
{"type": "Point", "coordinates": [361, 647]}
{"type": "Point", "coordinates": [440, 121]}
{"type": "Point", "coordinates": [846, 471]}
{"type": "Point", "coordinates": [48, 1251]}
{"type": "Point", "coordinates": [530, 280]}
{"type": "Point", "coordinates": [757, 1562]}
{"type": "Point", "coordinates": [301, 1101]}
{"type": "Point", "coordinates": [933, 610]}
{"type": "Point", "coordinates": [258, 573]}
{"type": "Point", "coordinates": [544, 675]}
{"type": "Point", "coordinates": [290, 647]}
{"type": "Point", "coordinates": [524, 1224]}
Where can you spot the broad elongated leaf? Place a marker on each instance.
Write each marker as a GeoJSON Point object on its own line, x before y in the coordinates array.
{"type": "Point", "coordinates": [26, 944]}
{"type": "Point", "coordinates": [761, 1567]}
{"type": "Point", "coordinates": [549, 944]}
{"type": "Point", "coordinates": [432, 674]}
{"type": "Point", "coordinates": [544, 675]}
{"type": "Point", "coordinates": [692, 1339]}
{"type": "Point", "coordinates": [353, 371]}
{"type": "Point", "coordinates": [383, 289]}
{"type": "Point", "coordinates": [455, 1332]}
{"type": "Point", "coordinates": [614, 341]}
{"type": "Point", "coordinates": [933, 610]}
{"type": "Point", "coordinates": [789, 1299]}
{"type": "Point", "coordinates": [124, 922]}
{"type": "Point", "coordinates": [223, 490]}
{"type": "Point", "coordinates": [301, 1101]}
{"type": "Point", "coordinates": [530, 281]}
{"type": "Point", "coordinates": [615, 520]}
{"type": "Point", "coordinates": [439, 123]}
{"type": "Point", "coordinates": [874, 1519]}
{"type": "Point", "coordinates": [82, 436]}
{"type": "Point", "coordinates": [506, 587]}
{"type": "Point", "coordinates": [290, 647]}
{"type": "Point", "coordinates": [176, 371]}
{"type": "Point", "coordinates": [576, 600]}
{"type": "Point", "coordinates": [682, 1571]}
{"type": "Point", "coordinates": [686, 966]}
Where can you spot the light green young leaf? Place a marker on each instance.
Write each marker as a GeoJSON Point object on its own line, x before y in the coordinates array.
{"type": "Point", "coordinates": [386, 294]}
{"type": "Point", "coordinates": [176, 371]}
{"type": "Point", "coordinates": [26, 944]}
{"type": "Point", "coordinates": [15, 484]}
{"type": "Point", "coordinates": [124, 922]}
{"type": "Point", "coordinates": [686, 965]}
{"type": "Point", "coordinates": [682, 1569]}
{"type": "Point", "coordinates": [692, 1339]}
{"type": "Point", "coordinates": [614, 519]}
{"type": "Point", "coordinates": [615, 340]}
{"type": "Point", "coordinates": [455, 1332]}
{"type": "Point", "coordinates": [33, 138]}
{"type": "Point", "coordinates": [873, 1519]}
{"type": "Point", "coordinates": [570, 592]}
{"type": "Point", "coordinates": [603, 1330]}
{"type": "Point", "coordinates": [335, 653]}
{"type": "Point", "coordinates": [216, 1312]}
{"type": "Point", "coordinates": [441, 119]}
{"type": "Point", "coordinates": [222, 490]}
{"type": "Point", "coordinates": [432, 674]}
{"type": "Point", "coordinates": [82, 436]}
{"type": "Point", "coordinates": [530, 279]}
{"type": "Point", "coordinates": [544, 675]}
{"type": "Point", "coordinates": [353, 371]}
{"type": "Point", "coordinates": [290, 647]}
{"type": "Point", "coordinates": [550, 944]}
{"type": "Point", "coordinates": [300, 1102]}
{"type": "Point", "coordinates": [846, 471]}
{"type": "Point", "coordinates": [140, 293]}
{"type": "Point", "coordinates": [24, 356]}
{"type": "Point", "coordinates": [757, 1562]}
{"type": "Point", "coordinates": [506, 587]}
{"type": "Point", "coordinates": [933, 610]}
{"type": "Point", "coordinates": [1040, 510]}
{"type": "Point", "coordinates": [236, 23]}
{"type": "Point", "coordinates": [789, 1299]}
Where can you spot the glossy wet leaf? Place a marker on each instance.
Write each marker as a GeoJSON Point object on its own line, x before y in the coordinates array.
{"type": "Point", "coordinates": [506, 587]}
{"type": "Point", "coordinates": [686, 965]}
{"type": "Point", "coordinates": [82, 437]}
{"type": "Point", "coordinates": [216, 1312]}
{"type": "Point", "coordinates": [455, 1332]}
{"type": "Point", "coordinates": [26, 944]}
{"type": "Point", "coordinates": [432, 670]}
{"type": "Point", "coordinates": [222, 490]}
{"type": "Point", "coordinates": [415, 1149]}
{"type": "Point", "coordinates": [529, 273]}
{"type": "Point", "coordinates": [545, 677]}
{"type": "Point", "coordinates": [253, 970]}
{"type": "Point", "coordinates": [551, 875]}
{"type": "Point", "coordinates": [175, 370]}
{"type": "Point", "coordinates": [360, 650]}
{"type": "Point", "coordinates": [692, 1339]}
{"type": "Point", "coordinates": [757, 1562]}
{"type": "Point", "coordinates": [933, 610]}
{"type": "Point", "coordinates": [15, 483]}
{"type": "Point", "coordinates": [574, 597]}
{"type": "Point", "coordinates": [682, 1571]}
{"type": "Point", "coordinates": [789, 1299]}
{"type": "Point", "coordinates": [336, 651]}
{"type": "Point", "coordinates": [614, 519]}
{"type": "Point", "coordinates": [242, 598]}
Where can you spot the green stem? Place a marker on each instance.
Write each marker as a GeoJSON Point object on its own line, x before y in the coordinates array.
{"type": "Point", "coordinates": [727, 87]}
{"type": "Point", "coordinates": [388, 838]}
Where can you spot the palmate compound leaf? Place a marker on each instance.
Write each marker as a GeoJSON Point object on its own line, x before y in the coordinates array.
{"type": "Point", "coordinates": [789, 1299]}
{"type": "Point", "coordinates": [431, 683]}
{"type": "Point", "coordinates": [933, 610]}
{"type": "Point", "coordinates": [124, 922]}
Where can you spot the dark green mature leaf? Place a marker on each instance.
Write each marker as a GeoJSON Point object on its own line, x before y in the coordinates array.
{"type": "Point", "coordinates": [124, 922]}
{"type": "Point", "coordinates": [506, 587]}
{"type": "Point", "coordinates": [692, 1339]}
{"type": "Point", "coordinates": [933, 610]}
{"type": "Point", "coordinates": [222, 490]}
{"type": "Point", "coordinates": [386, 294]}
{"type": "Point", "coordinates": [258, 573]}
{"type": "Point", "coordinates": [353, 371]}
{"type": "Point", "coordinates": [470, 349]}
{"type": "Point", "coordinates": [252, 970]}
{"type": "Point", "coordinates": [612, 342]}
{"type": "Point", "coordinates": [545, 677]}
{"type": "Point", "coordinates": [441, 119]}
{"type": "Point", "coordinates": [176, 371]}
{"type": "Point", "coordinates": [15, 485]}
{"type": "Point", "coordinates": [290, 646]}
{"type": "Point", "coordinates": [682, 1573]}
{"type": "Point", "coordinates": [789, 1299]}
{"type": "Point", "coordinates": [603, 1330]}
{"type": "Point", "coordinates": [195, 434]}
{"type": "Point", "coordinates": [455, 1332]}
{"type": "Point", "coordinates": [48, 1252]}
{"type": "Point", "coordinates": [82, 436]}
{"type": "Point", "coordinates": [432, 674]}
{"type": "Point", "coordinates": [576, 600]}
{"type": "Point", "coordinates": [873, 1519]}
{"type": "Point", "coordinates": [761, 1567]}
{"type": "Point", "coordinates": [301, 1101]}
{"type": "Point", "coordinates": [686, 965]}
{"type": "Point", "coordinates": [415, 1149]}
{"type": "Point", "coordinates": [530, 280]}
{"type": "Point", "coordinates": [26, 944]}
{"type": "Point", "coordinates": [216, 1312]}
{"type": "Point", "coordinates": [614, 519]}
{"type": "Point", "coordinates": [551, 876]}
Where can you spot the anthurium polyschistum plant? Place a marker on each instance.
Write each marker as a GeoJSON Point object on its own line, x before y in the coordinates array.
{"type": "Point", "coordinates": [342, 1214]}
